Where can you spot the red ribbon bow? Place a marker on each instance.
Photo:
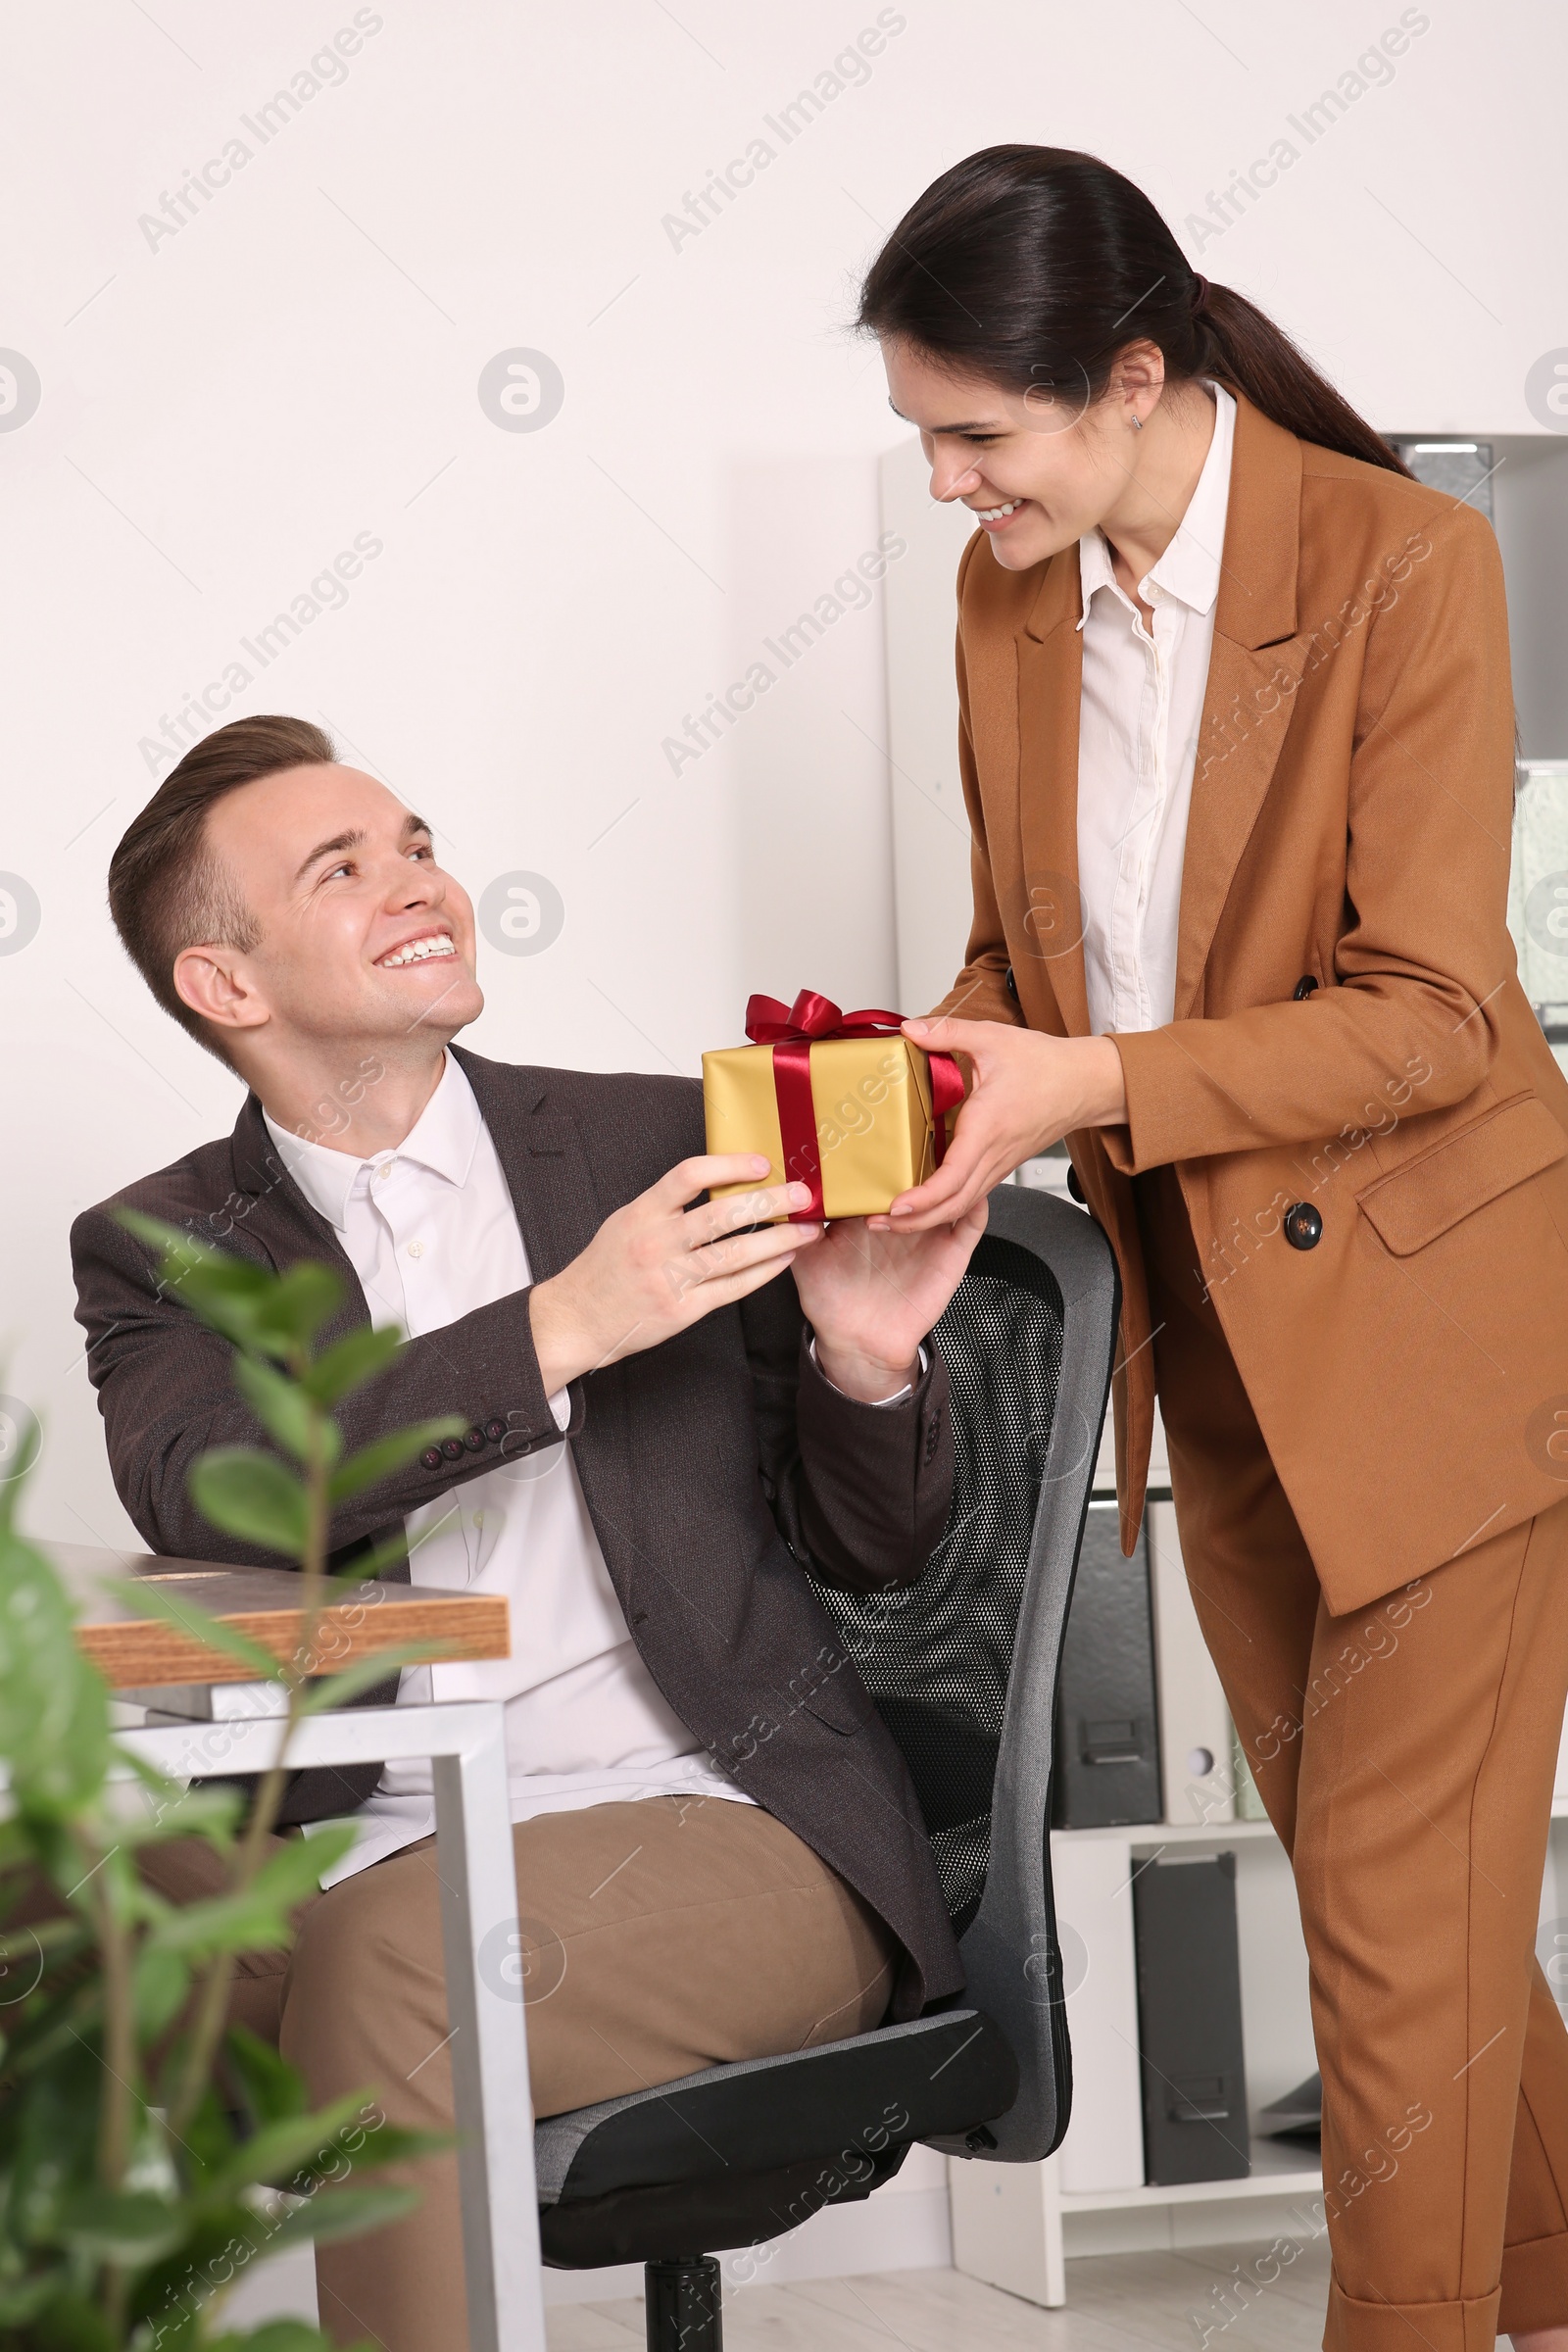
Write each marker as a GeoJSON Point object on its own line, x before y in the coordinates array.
{"type": "Point", "coordinates": [792, 1031]}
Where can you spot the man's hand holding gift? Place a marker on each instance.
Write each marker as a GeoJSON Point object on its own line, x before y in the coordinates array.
{"type": "Point", "coordinates": [659, 1265]}
{"type": "Point", "coordinates": [871, 1298]}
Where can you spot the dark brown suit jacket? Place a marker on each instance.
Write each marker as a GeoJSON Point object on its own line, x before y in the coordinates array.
{"type": "Point", "coordinates": [715, 1466]}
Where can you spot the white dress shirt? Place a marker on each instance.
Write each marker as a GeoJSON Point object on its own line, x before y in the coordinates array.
{"type": "Point", "coordinates": [1143, 698]}
{"type": "Point", "coordinates": [431, 1232]}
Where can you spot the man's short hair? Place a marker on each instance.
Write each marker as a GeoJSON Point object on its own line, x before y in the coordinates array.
{"type": "Point", "coordinates": [166, 891]}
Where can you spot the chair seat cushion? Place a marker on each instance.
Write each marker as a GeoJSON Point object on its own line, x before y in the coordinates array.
{"type": "Point", "coordinates": [845, 2103]}
{"type": "Point", "coordinates": [716, 2214]}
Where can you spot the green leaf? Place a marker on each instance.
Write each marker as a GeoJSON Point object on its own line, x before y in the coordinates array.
{"type": "Point", "coordinates": [171, 1242]}
{"type": "Point", "coordinates": [293, 1870]}
{"type": "Point", "coordinates": [219, 1288]}
{"type": "Point", "coordinates": [22, 2299]}
{"type": "Point", "coordinates": [159, 1987]}
{"type": "Point", "coordinates": [367, 1566]}
{"type": "Point", "coordinates": [265, 1314]}
{"type": "Point", "coordinates": [278, 2335]}
{"type": "Point", "coordinates": [120, 2227]}
{"type": "Point", "coordinates": [54, 1708]}
{"type": "Point", "coordinates": [257, 1917]}
{"type": "Point", "coordinates": [346, 2213]}
{"type": "Point", "coordinates": [64, 2321]}
{"type": "Point", "coordinates": [206, 1809]}
{"type": "Point", "coordinates": [341, 1688]}
{"type": "Point", "coordinates": [271, 2087]}
{"type": "Point", "coordinates": [298, 1304]}
{"type": "Point", "coordinates": [285, 1410]}
{"type": "Point", "coordinates": [250, 1494]}
{"type": "Point", "coordinates": [350, 1361]}
{"type": "Point", "coordinates": [152, 1599]}
{"type": "Point", "coordinates": [281, 2151]}
{"type": "Point", "coordinates": [384, 1456]}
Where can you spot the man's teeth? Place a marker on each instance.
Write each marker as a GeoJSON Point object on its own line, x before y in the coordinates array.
{"type": "Point", "coordinates": [995, 514]}
{"type": "Point", "coordinates": [418, 951]}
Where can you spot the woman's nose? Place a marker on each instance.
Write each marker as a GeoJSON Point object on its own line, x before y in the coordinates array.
{"type": "Point", "coordinates": [950, 481]}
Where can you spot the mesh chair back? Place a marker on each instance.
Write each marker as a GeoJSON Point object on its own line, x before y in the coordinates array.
{"type": "Point", "coordinates": [963, 1664]}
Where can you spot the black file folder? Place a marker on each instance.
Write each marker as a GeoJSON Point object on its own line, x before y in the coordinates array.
{"type": "Point", "coordinates": [1190, 2020]}
{"type": "Point", "coordinates": [1107, 1729]}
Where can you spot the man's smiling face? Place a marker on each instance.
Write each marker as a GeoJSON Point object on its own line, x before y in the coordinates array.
{"type": "Point", "coordinates": [360, 934]}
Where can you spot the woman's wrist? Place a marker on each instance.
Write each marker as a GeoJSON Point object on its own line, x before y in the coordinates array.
{"type": "Point", "coordinates": [1103, 1083]}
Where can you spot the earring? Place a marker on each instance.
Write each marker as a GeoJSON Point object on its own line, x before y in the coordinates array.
{"type": "Point", "coordinates": [1138, 423]}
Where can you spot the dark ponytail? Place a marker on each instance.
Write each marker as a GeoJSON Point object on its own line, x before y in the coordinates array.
{"type": "Point", "coordinates": [1034, 267]}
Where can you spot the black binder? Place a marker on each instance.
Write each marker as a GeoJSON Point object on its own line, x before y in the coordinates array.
{"type": "Point", "coordinates": [1108, 1730]}
{"type": "Point", "coordinates": [1190, 2020]}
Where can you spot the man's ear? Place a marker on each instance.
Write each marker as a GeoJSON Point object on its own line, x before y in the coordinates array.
{"type": "Point", "coordinates": [213, 982]}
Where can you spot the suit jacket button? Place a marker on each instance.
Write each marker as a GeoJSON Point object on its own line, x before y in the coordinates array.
{"type": "Point", "coordinates": [495, 1431]}
{"type": "Point", "coordinates": [473, 1440]}
{"type": "Point", "coordinates": [1011, 985]}
{"type": "Point", "coordinates": [453, 1448]}
{"type": "Point", "coordinates": [1306, 987]}
{"type": "Point", "coordinates": [1304, 1227]}
{"type": "Point", "coordinates": [1074, 1187]}
{"type": "Point", "coordinates": [431, 1457]}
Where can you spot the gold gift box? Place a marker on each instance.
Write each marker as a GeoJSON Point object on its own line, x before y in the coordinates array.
{"type": "Point", "coordinates": [872, 1101]}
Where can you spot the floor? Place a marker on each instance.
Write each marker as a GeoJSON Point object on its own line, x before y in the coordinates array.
{"type": "Point", "coordinates": [1117, 2303]}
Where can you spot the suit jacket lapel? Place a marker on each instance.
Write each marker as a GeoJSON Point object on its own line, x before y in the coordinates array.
{"type": "Point", "coordinates": [1254, 671]}
{"type": "Point", "coordinates": [1050, 654]}
{"type": "Point", "coordinates": [284, 1221]}
{"type": "Point", "coordinates": [543, 1160]}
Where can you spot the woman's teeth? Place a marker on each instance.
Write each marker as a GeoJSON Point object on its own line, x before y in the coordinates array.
{"type": "Point", "coordinates": [998, 513]}
{"type": "Point", "coordinates": [418, 951]}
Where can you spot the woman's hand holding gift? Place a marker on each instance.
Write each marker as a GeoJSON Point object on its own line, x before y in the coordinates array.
{"type": "Point", "coordinates": [1028, 1091]}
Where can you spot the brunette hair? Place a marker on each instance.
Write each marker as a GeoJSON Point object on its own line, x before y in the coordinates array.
{"type": "Point", "coordinates": [1034, 267]}
{"type": "Point", "coordinates": [166, 891]}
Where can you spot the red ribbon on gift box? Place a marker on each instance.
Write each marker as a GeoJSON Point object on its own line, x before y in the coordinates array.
{"type": "Point", "coordinates": [792, 1031]}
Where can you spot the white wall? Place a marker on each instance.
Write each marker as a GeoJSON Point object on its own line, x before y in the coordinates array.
{"type": "Point", "coordinates": [226, 407]}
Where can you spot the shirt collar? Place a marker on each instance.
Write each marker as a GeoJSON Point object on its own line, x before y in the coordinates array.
{"type": "Point", "coordinates": [443, 1139]}
{"type": "Point", "coordinates": [1190, 567]}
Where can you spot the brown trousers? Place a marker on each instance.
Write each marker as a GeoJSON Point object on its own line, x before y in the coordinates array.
{"type": "Point", "coordinates": [1406, 1754]}
{"type": "Point", "coordinates": [660, 1938]}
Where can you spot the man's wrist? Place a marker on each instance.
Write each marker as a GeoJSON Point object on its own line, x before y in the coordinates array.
{"type": "Point", "coordinates": [557, 1344]}
{"type": "Point", "coordinates": [867, 1379]}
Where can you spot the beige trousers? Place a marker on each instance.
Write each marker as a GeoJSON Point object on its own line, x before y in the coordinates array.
{"type": "Point", "coordinates": [659, 1937]}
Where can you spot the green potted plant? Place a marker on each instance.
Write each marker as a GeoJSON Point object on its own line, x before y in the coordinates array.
{"type": "Point", "coordinates": [149, 2154]}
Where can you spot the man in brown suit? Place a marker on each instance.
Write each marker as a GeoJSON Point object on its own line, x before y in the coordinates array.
{"type": "Point", "coordinates": [720, 1852]}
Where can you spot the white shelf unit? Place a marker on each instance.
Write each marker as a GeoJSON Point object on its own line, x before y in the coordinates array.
{"type": "Point", "coordinates": [1015, 2226]}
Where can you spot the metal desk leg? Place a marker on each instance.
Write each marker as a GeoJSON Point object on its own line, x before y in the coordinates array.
{"type": "Point", "coordinates": [489, 2046]}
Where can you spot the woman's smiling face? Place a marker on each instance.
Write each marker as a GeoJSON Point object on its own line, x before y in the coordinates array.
{"type": "Point", "coordinates": [1036, 471]}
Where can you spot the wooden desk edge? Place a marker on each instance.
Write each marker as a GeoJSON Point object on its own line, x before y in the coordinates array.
{"type": "Point", "coordinates": [140, 1654]}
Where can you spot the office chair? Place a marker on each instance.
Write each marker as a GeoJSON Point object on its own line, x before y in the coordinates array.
{"type": "Point", "coordinates": [963, 1666]}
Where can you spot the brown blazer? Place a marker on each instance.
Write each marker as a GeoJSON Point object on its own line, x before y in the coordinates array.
{"type": "Point", "coordinates": [717, 1468]}
{"type": "Point", "coordinates": [1350, 826]}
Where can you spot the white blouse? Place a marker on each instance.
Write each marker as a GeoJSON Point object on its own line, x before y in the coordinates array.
{"type": "Point", "coordinates": [1143, 698]}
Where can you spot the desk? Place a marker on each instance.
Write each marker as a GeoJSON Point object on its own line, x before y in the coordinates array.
{"type": "Point", "coordinates": [177, 1676]}
{"type": "Point", "coordinates": [145, 1653]}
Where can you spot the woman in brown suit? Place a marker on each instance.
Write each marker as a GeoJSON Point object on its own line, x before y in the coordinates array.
{"type": "Point", "coordinates": [1237, 744]}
